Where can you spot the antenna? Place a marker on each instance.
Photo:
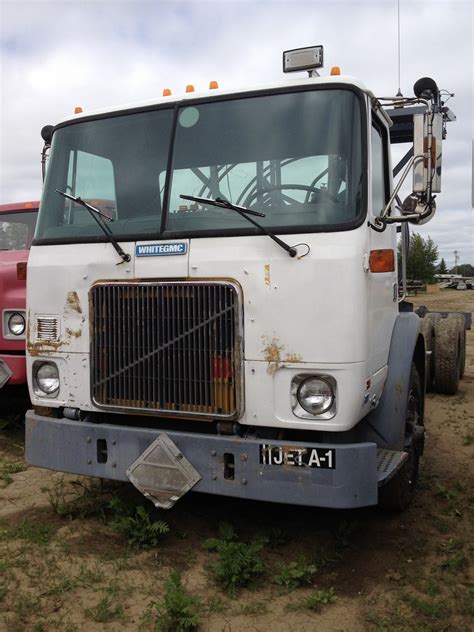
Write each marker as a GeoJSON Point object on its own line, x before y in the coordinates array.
{"type": "Point", "coordinates": [399, 93]}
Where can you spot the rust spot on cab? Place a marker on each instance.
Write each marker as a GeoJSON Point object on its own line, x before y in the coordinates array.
{"type": "Point", "coordinates": [43, 346]}
{"type": "Point", "coordinates": [73, 302]}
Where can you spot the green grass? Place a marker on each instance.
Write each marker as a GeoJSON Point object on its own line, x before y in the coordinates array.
{"type": "Point", "coordinates": [238, 564]}
{"type": "Point", "coordinates": [29, 530]}
{"type": "Point", "coordinates": [137, 525]}
{"type": "Point", "coordinates": [7, 469]}
{"type": "Point", "coordinates": [315, 601]}
{"type": "Point", "coordinates": [293, 574]}
{"type": "Point", "coordinates": [433, 609]}
{"type": "Point", "coordinates": [469, 439]}
{"type": "Point", "coordinates": [456, 563]}
{"type": "Point", "coordinates": [178, 611]}
{"type": "Point", "coordinates": [78, 500]}
{"type": "Point", "coordinates": [105, 610]}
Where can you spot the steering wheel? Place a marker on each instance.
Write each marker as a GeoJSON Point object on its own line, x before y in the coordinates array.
{"type": "Point", "coordinates": [319, 195]}
{"type": "Point", "coordinates": [280, 187]}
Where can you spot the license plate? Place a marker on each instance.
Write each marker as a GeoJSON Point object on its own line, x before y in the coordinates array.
{"type": "Point", "coordinates": [322, 458]}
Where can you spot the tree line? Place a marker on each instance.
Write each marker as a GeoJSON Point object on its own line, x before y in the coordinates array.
{"type": "Point", "coordinates": [422, 261]}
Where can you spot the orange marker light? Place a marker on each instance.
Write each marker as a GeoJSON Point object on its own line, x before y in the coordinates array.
{"type": "Point", "coordinates": [166, 92]}
{"type": "Point", "coordinates": [189, 88]}
{"type": "Point", "coordinates": [213, 85]}
{"type": "Point", "coordinates": [27, 205]}
{"type": "Point", "coordinates": [335, 70]}
{"type": "Point", "coordinates": [77, 110]}
{"type": "Point", "coordinates": [382, 260]}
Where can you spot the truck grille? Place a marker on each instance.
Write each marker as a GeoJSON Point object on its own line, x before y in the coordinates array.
{"type": "Point", "coordinates": [170, 347]}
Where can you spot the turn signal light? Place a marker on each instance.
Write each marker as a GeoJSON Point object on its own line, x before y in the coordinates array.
{"type": "Point", "coordinates": [382, 260]}
{"type": "Point", "coordinates": [213, 85]}
{"type": "Point", "coordinates": [77, 110]}
{"type": "Point", "coordinates": [189, 88]}
{"type": "Point", "coordinates": [21, 271]}
{"type": "Point", "coordinates": [335, 70]}
{"type": "Point", "coordinates": [166, 92]}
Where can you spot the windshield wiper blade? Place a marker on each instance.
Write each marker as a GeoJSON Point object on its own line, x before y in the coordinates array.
{"type": "Point", "coordinates": [99, 218]}
{"type": "Point", "coordinates": [244, 212]}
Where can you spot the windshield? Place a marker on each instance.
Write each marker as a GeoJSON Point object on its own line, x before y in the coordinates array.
{"type": "Point", "coordinates": [294, 156]}
{"type": "Point", "coordinates": [16, 230]}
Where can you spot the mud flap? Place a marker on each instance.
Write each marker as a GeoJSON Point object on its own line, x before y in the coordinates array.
{"type": "Point", "coordinates": [388, 464]}
{"type": "Point", "coordinates": [162, 473]}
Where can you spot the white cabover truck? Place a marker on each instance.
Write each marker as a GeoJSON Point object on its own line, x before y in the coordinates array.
{"type": "Point", "coordinates": [213, 294]}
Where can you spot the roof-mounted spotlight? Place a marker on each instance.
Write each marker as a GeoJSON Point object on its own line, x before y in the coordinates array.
{"type": "Point", "coordinates": [299, 59]}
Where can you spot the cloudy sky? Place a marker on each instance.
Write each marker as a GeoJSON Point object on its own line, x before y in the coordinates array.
{"type": "Point", "coordinates": [57, 55]}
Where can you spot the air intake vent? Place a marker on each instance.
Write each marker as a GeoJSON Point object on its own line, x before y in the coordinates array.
{"type": "Point", "coordinates": [47, 328]}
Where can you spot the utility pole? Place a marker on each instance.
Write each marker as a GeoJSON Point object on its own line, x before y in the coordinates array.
{"type": "Point", "coordinates": [456, 259]}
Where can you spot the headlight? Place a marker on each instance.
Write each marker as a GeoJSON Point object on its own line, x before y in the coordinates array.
{"type": "Point", "coordinates": [313, 396]}
{"type": "Point", "coordinates": [46, 378]}
{"type": "Point", "coordinates": [17, 324]}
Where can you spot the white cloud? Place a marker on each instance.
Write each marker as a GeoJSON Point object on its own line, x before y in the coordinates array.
{"type": "Point", "coordinates": [56, 55]}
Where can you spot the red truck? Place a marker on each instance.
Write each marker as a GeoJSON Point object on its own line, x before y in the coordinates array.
{"type": "Point", "coordinates": [17, 227]}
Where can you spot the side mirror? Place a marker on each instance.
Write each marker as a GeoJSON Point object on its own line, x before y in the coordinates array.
{"type": "Point", "coordinates": [414, 206]}
{"type": "Point", "coordinates": [427, 165]}
{"type": "Point", "coordinates": [47, 134]}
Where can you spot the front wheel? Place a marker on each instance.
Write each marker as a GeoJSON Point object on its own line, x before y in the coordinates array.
{"type": "Point", "coordinates": [398, 493]}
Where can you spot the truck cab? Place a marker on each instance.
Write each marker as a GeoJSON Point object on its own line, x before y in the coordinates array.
{"type": "Point", "coordinates": [213, 298]}
{"type": "Point", "coordinates": [17, 226]}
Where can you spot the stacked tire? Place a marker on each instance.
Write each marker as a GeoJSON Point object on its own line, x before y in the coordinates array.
{"type": "Point", "coordinates": [449, 353]}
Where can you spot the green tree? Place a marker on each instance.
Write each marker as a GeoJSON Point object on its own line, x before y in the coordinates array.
{"type": "Point", "coordinates": [422, 258]}
{"type": "Point", "coordinates": [442, 268]}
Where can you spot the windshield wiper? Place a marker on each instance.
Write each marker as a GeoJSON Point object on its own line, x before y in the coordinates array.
{"type": "Point", "coordinates": [99, 218]}
{"type": "Point", "coordinates": [243, 212]}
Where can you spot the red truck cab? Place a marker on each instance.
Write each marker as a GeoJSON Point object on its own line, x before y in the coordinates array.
{"type": "Point", "coordinates": [17, 227]}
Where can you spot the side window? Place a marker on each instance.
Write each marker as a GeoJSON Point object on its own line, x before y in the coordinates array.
{"type": "Point", "coordinates": [379, 194]}
{"type": "Point", "coordinates": [91, 178]}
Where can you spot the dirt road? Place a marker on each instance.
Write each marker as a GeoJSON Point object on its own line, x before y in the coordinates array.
{"type": "Point", "coordinates": [65, 563]}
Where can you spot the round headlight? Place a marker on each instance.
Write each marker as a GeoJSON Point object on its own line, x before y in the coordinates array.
{"type": "Point", "coordinates": [315, 395]}
{"type": "Point", "coordinates": [17, 324]}
{"type": "Point", "coordinates": [47, 378]}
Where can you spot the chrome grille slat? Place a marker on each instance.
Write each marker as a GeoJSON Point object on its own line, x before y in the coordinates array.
{"type": "Point", "coordinates": [168, 347]}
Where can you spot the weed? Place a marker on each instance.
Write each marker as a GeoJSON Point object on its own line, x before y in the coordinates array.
{"type": "Point", "coordinates": [89, 576]}
{"type": "Point", "coordinates": [63, 585]}
{"type": "Point", "coordinates": [3, 592]}
{"type": "Point", "coordinates": [138, 528]}
{"type": "Point", "coordinates": [82, 501]}
{"type": "Point", "coordinates": [344, 532]}
{"type": "Point", "coordinates": [457, 562]}
{"type": "Point", "coordinates": [178, 611]}
{"type": "Point", "coordinates": [441, 524]}
{"type": "Point", "coordinates": [238, 564]}
{"type": "Point", "coordinates": [295, 573]}
{"type": "Point", "coordinates": [215, 605]}
{"type": "Point", "coordinates": [254, 608]}
{"type": "Point", "coordinates": [445, 493]}
{"type": "Point", "coordinates": [7, 469]}
{"type": "Point", "coordinates": [34, 532]}
{"type": "Point", "coordinates": [105, 610]}
{"type": "Point", "coordinates": [468, 439]}
{"type": "Point", "coordinates": [430, 608]}
{"type": "Point", "coordinates": [314, 601]}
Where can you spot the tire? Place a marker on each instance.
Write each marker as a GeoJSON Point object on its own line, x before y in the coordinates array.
{"type": "Point", "coordinates": [428, 331]}
{"type": "Point", "coordinates": [462, 327]}
{"type": "Point", "coordinates": [447, 360]}
{"type": "Point", "coordinates": [398, 493]}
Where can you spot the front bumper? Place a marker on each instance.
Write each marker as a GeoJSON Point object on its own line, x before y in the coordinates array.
{"type": "Point", "coordinates": [15, 365]}
{"type": "Point", "coordinates": [107, 450]}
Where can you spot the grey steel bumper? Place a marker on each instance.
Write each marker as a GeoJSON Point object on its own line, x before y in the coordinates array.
{"type": "Point", "coordinates": [78, 447]}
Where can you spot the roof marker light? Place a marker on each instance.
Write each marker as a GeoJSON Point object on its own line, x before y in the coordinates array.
{"type": "Point", "coordinates": [335, 70]}
{"type": "Point", "coordinates": [166, 92]}
{"type": "Point", "coordinates": [78, 110]}
{"type": "Point", "coordinates": [189, 88]}
{"type": "Point", "coordinates": [213, 85]}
